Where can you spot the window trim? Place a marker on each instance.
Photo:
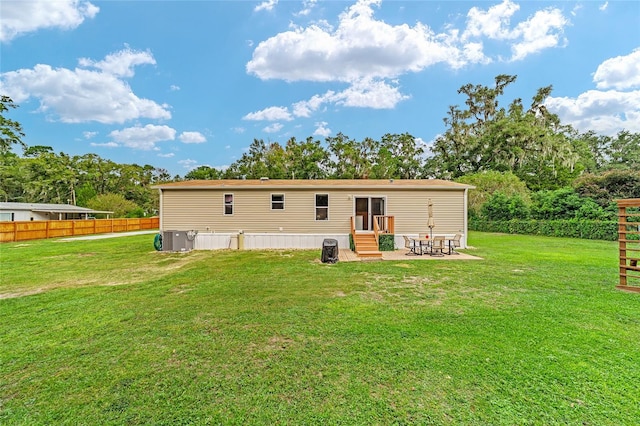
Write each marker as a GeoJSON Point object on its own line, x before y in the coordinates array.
{"type": "Point", "coordinates": [277, 202]}
{"type": "Point", "coordinates": [231, 204]}
{"type": "Point", "coordinates": [316, 207]}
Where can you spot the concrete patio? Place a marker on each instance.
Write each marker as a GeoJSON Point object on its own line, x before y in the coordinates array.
{"type": "Point", "coordinates": [346, 255]}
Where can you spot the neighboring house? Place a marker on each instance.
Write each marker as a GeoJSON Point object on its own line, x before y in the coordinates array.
{"type": "Point", "coordinates": [16, 212]}
{"type": "Point", "coordinates": [301, 213]}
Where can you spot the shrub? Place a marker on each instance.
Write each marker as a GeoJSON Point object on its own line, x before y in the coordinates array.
{"type": "Point", "coordinates": [574, 228]}
{"type": "Point", "coordinates": [488, 183]}
{"type": "Point", "coordinates": [610, 185]}
{"type": "Point", "coordinates": [503, 207]}
{"type": "Point", "coordinates": [386, 242]}
{"type": "Point", "coordinates": [561, 203]}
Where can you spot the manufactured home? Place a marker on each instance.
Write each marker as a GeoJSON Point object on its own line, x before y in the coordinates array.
{"type": "Point", "coordinates": [268, 213]}
{"type": "Point", "coordinates": [16, 212]}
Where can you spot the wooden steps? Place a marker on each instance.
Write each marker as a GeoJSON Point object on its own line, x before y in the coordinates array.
{"type": "Point", "coordinates": [366, 246]}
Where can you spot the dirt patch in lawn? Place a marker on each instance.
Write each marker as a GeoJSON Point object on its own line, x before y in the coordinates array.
{"type": "Point", "coordinates": [126, 274]}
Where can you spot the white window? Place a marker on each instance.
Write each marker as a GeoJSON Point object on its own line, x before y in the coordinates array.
{"type": "Point", "coordinates": [322, 206]}
{"type": "Point", "coordinates": [228, 204]}
{"type": "Point", "coordinates": [277, 201]}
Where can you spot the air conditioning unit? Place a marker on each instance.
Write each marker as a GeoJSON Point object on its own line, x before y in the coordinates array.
{"type": "Point", "coordinates": [178, 240]}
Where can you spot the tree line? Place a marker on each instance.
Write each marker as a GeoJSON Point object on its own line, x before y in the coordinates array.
{"type": "Point", "coordinates": [517, 155]}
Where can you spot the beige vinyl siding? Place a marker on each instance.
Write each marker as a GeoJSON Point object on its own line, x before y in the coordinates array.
{"type": "Point", "coordinates": [410, 211]}
{"type": "Point", "coordinates": [202, 209]}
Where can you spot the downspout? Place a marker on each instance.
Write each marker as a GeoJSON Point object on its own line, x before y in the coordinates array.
{"type": "Point", "coordinates": [466, 216]}
{"type": "Point", "coordinates": [160, 209]}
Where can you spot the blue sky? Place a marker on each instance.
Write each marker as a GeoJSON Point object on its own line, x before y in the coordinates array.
{"type": "Point", "coordinates": [179, 84]}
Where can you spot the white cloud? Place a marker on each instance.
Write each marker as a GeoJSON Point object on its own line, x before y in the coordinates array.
{"type": "Point", "coordinates": [105, 145]}
{"type": "Point", "coordinates": [360, 47]}
{"type": "Point", "coordinates": [621, 72]}
{"type": "Point", "coordinates": [322, 129]}
{"type": "Point", "coordinates": [306, 108]}
{"type": "Point", "coordinates": [368, 93]}
{"type": "Point", "coordinates": [270, 114]}
{"type": "Point", "coordinates": [604, 6]}
{"type": "Point", "coordinates": [239, 130]}
{"type": "Point", "coordinates": [82, 95]}
{"type": "Point", "coordinates": [192, 137]}
{"type": "Point", "coordinates": [143, 138]}
{"type": "Point", "coordinates": [307, 6]}
{"type": "Point", "coordinates": [89, 135]}
{"type": "Point", "coordinates": [168, 155]}
{"type": "Point", "coordinates": [120, 63]}
{"type": "Point", "coordinates": [188, 164]}
{"type": "Point", "coordinates": [273, 128]}
{"type": "Point", "coordinates": [576, 9]}
{"type": "Point", "coordinates": [364, 47]}
{"type": "Point", "coordinates": [364, 93]}
{"type": "Point", "coordinates": [542, 31]}
{"type": "Point", "coordinates": [19, 17]}
{"type": "Point", "coordinates": [605, 112]}
{"type": "Point", "coordinates": [368, 54]}
{"type": "Point", "coordinates": [493, 23]}
{"type": "Point", "coordinates": [266, 5]}
{"type": "Point", "coordinates": [174, 88]}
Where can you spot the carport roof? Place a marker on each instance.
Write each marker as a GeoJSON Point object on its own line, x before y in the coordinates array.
{"type": "Point", "coordinates": [47, 208]}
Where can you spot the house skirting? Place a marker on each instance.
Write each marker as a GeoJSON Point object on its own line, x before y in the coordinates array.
{"type": "Point", "coordinates": [249, 241]}
{"type": "Point", "coordinates": [256, 241]}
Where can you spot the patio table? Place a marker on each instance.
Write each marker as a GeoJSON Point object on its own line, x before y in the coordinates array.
{"type": "Point", "coordinates": [423, 243]}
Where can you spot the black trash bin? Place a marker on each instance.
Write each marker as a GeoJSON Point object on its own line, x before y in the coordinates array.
{"type": "Point", "coordinates": [329, 250]}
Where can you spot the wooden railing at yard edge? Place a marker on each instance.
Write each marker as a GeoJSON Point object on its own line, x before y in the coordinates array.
{"type": "Point", "coordinates": [41, 229]}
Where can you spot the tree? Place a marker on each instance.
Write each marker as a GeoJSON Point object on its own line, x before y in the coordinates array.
{"type": "Point", "coordinates": [490, 182]}
{"type": "Point", "coordinates": [306, 160]}
{"type": "Point", "coordinates": [11, 177]}
{"type": "Point", "coordinates": [351, 159]}
{"type": "Point", "coordinates": [398, 157]}
{"type": "Point", "coordinates": [531, 143]}
{"type": "Point", "coordinates": [10, 130]}
{"type": "Point", "coordinates": [120, 206]}
{"type": "Point", "coordinates": [624, 151]}
{"type": "Point", "coordinates": [203, 173]}
{"type": "Point", "coordinates": [252, 163]}
{"type": "Point", "coordinates": [608, 186]}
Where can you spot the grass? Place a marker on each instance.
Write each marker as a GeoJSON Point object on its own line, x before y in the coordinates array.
{"type": "Point", "coordinates": [112, 332]}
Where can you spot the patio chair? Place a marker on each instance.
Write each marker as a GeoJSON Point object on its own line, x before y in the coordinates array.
{"type": "Point", "coordinates": [410, 245]}
{"type": "Point", "coordinates": [437, 246]}
{"type": "Point", "coordinates": [455, 242]}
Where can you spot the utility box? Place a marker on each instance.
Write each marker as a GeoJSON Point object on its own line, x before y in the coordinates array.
{"type": "Point", "coordinates": [178, 240]}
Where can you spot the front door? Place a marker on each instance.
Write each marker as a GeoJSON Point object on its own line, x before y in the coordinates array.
{"type": "Point", "coordinates": [365, 210]}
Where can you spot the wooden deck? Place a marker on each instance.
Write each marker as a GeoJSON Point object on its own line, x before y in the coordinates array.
{"type": "Point", "coordinates": [346, 255]}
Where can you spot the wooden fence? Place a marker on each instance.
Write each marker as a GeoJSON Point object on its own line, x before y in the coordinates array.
{"type": "Point", "coordinates": [35, 230]}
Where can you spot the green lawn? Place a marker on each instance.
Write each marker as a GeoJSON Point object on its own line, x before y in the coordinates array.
{"type": "Point", "coordinates": [112, 332]}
